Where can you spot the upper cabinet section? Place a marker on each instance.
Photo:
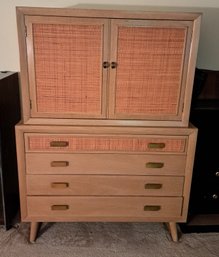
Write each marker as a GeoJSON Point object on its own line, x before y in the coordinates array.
{"type": "Point", "coordinates": [106, 67]}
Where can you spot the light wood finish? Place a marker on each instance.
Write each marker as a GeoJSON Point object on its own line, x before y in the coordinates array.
{"type": "Point", "coordinates": [20, 148]}
{"type": "Point", "coordinates": [173, 231]}
{"type": "Point", "coordinates": [191, 68]}
{"type": "Point", "coordinates": [188, 174]}
{"type": "Point", "coordinates": [93, 208]}
{"type": "Point", "coordinates": [40, 163]}
{"type": "Point", "coordinates": [21, 130]}
{"type": "Point", "coordinates": [173, 109]}
{"type": "Point", "coordinates": [32, 164]}
{"type": "Point", "coordinates": [101, 138]}
{"type": "Point", "coordinates": [105, 122]}
{"type": "Point", "coordinates": [90, 13]}
{"type": "Point", "coordinates": [104, 185]}
{"type": "Point", "coordinates": [34, 226]}
{"type": "Point", "coordinates": [170, 132]}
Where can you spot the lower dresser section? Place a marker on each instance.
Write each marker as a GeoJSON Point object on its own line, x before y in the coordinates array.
{"type": "Point", "coordinates": [104, 185]}
{"type": "Point", "coordinates": [103, 208]}
{"type": "Point", "coordinates": [70, 173]}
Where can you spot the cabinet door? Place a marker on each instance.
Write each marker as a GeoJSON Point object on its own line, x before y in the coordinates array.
{"type": "Point", "coordinates": [148, 79]}
{"type": "Point", "coordinates": [65, 57]}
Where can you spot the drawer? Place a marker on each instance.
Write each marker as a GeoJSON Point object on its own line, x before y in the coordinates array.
{"type": "Point", "coordinates": [81, 208]}
{"type": "Point", "coordinates": [104, 185]}
{"type": "Point", "coordinates": [82, 143]}
{"type": "Point", "coordinates": [127, 164]}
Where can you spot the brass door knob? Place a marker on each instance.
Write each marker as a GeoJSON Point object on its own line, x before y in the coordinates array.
{"type": "Point", "coordinates": [106, 65]}
{"type": "Point", "coordinates": [114, 65]}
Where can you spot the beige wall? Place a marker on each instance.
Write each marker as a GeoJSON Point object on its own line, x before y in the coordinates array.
{"type": "Point", "coordinates": [208, 54]}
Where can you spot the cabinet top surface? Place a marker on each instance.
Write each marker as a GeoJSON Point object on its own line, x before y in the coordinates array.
{"type": "Point", "coordinates": [100, 13]}
{"type": "Point", "coordinates": [4, 74]}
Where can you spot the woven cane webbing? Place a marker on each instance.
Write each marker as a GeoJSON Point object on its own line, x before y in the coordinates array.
{"type": "Point", "coordinates": [149, 70]}
{"type": "Point", "coordinates": [67, 67]}
{"type": "Point", "coordinates": [104, 143]}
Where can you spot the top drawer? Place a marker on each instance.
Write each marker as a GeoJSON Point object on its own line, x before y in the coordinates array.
{"type": "Point", "coordinates": [35, 142]}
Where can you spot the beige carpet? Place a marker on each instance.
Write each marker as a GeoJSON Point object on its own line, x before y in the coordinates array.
{"type": "Point", "coordinates": [105, 240]}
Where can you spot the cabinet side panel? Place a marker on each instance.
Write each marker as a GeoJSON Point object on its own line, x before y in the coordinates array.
{"type": "Point", "coordinates": [21, 170]}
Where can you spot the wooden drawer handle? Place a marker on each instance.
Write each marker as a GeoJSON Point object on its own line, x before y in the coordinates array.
{"type": "Point", "coordinates": [154, 165]}
{"type": "Point", "coordinates": [156, 145]}
{"type": "Point", "coordinates": [59, 143]}
{"type": "Point", "coordinates": [153, 186]}
{"type": "Point", "coordinates": [59, 164]}
{"type": "Point", "coordinates": [59, 184]}
{"type": "Point", "coordinates": [62, 207]}
{"type": "Point", "coordinates": [152, 208]}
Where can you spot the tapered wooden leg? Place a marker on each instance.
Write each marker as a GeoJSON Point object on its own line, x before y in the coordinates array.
{"type": "Point", "coordinates": [33, 231]}
{"type": "Point", "coordinates": [173, 231]}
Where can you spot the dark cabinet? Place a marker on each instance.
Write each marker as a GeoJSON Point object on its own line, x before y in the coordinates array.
{"type": "Point", "coordinates": [205, 187]}
{"type": "Point", "coordinates": [9, 116]}
{"type": "Point", "coordinates": [204, 197]}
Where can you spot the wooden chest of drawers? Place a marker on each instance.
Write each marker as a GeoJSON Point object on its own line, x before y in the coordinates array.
{"type": "Point", "coordinates": [105, 112]}
{"type": "Point", "coordinates": [125, 174]}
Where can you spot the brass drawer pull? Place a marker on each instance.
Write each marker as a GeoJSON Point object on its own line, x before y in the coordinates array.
{"type": "Point", "coordinates": [59, 143]}
{"type": "Point", "coordinates": [153, 186]}
{"type": "Point", "coordinates": [154, 165]}
{"type": "Point", "coordinates": [152, 208]}
{"type": "Point", "coordinates": [62, 207]}
{"type": "Point", "coordinates": [156, 145]}
{"type": "Point", "coordinates": [59, 164]}
{"type": "Point", "coordinates": [59, 184]}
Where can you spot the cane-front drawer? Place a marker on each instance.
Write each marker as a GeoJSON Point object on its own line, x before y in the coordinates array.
{"type": "Point", "coordinates": [104, 185]}
{"type": "Point", "coordinates": [104, 143]}
{"type": "Point", "coordinates": [126, 164]}
{"type": "Point", "coordinates": [88, 208]}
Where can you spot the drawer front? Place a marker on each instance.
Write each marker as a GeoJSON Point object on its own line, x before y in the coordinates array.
{"type": "Point", "coordinates": [127, 164]}
{"type": "Point", "coordinates": [82, 143]}
{"type": "Point", "coordinates": [63, 208]}
{"type": "Point", "coordinates": [104, 185]}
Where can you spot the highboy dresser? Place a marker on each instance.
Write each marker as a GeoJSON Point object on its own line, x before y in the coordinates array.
{"type": "Point", "coordinates": [105, 134]}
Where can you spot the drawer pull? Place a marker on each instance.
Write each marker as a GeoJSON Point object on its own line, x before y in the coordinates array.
{"type": "Point", "coordinates": [152, 208]}
{"type": "Point", "coordinates": [154, 165]}
{"type": "Point", "coordinates": [62, 207]}
{"type": "Point", "coordinates": [59, 164]}
{"type": "Point", "coordinates": [152, 186]}
{"type": "Point", "coordinates": [59, 143]}
{"type": "Point", "coordinates": [217, 173]}
{"type": "Point", "coordinates": [59, 184]}
{"type": "Point", "coordinates": [156, 145]}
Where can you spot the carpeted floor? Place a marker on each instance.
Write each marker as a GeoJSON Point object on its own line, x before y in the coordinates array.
{"type": "Point", "coordinates": [105, 240]}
